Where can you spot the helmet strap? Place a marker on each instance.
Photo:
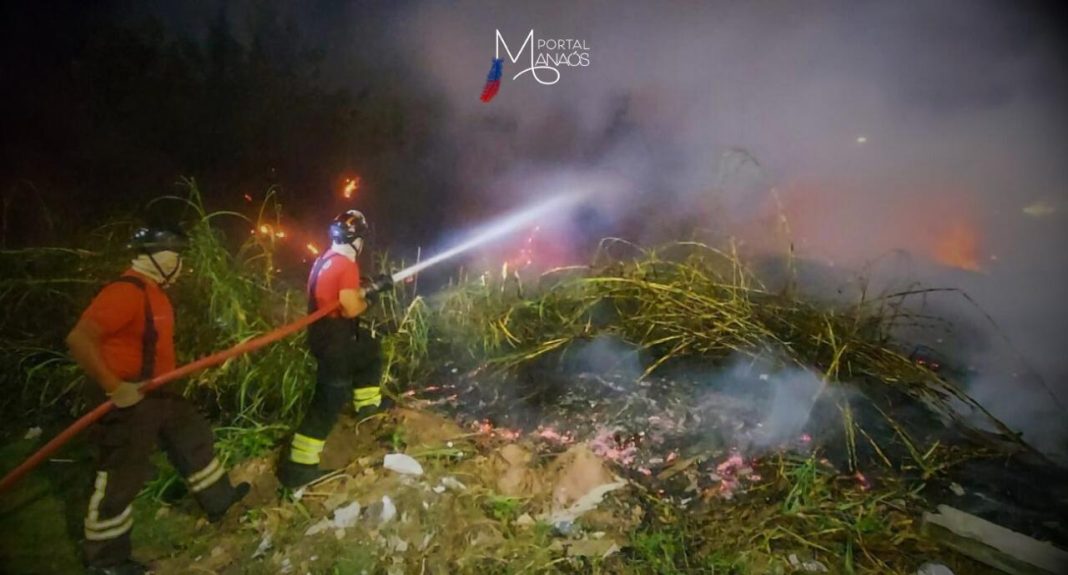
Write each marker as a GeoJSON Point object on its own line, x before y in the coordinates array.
{"type": "Point", "coordinates": [167, 277]}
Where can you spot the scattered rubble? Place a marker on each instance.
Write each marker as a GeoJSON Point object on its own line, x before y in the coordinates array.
{"type": "Point", "coordinates": [403, 464]}
{"type": "Point", "coordinates": [342, 517]}
{"type": "Point", "coordinates": [263, 547]}
{"type": "Point", "coordinates": [934, 569]}
{"type": "Point", "coordinates": [810, 566]}
{"type": "Point", "coordinates": [576, 473]}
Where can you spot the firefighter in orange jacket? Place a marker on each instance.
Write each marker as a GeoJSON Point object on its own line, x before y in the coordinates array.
{"type": "Point", "coordinates": [349, 359]}
{"type": "Point", "coordinates": [124, 338]}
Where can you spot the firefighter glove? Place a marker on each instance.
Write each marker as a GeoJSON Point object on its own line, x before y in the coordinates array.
{"type": "Point", "coordinates": [126, 394]}
{"type": "Point", "coordinates": [378, 285]}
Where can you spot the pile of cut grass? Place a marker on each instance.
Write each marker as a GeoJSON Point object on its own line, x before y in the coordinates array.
{"type": "Point", "coordinates": [692, 302]}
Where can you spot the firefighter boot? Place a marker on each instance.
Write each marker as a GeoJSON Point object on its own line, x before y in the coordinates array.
{"type": "Point", "coordinates": [237, 493]}
{"type": "Point", "coordinates": [296, 475]}
{"type": "Point", "coordinates": [300, 466]}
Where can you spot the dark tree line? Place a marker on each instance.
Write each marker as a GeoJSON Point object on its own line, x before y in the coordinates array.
{"type": "Point", "coordinates": [101, 115]}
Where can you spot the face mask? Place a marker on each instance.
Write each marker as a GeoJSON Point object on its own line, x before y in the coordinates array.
{"type": "Point", "coordinates": [350, 250]}
{"type": "Point", "coordinates": [163, 267]}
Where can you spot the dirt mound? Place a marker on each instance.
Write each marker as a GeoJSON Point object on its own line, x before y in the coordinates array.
{"type": "Point", "coordinates": [516, 476]}
{"type": "Point", "coordinates": [577, 472]}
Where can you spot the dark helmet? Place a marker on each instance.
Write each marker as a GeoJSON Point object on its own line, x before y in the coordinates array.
{"type": "Point", "coordinates": [347, 227]}
{"type": "Point", "coordinates": [158, 239]}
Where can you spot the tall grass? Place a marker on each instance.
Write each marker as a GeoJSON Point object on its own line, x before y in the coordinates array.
{"type": "Point", "coordinates": [681, 302]}
{"type": "Point", "coordinates": [691, 302]}
{"type": "Point", "coordinates": [229, 292]}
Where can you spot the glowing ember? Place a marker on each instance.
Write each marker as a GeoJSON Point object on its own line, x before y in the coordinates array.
{"type": "Point", "coordinates": [265, 230]}
{"type": "Point", "coordinates": [280, 234]}
{"type": "Point", "coordinates": [485, 427]}
{"type": "Point", "coordinates": [730, 465]}
{"type": "Point", "coordinates": [862, 481]}
{"type": "Point", "coordinates": [248, 198]}
{"type": "Point", "coordinates": [525, 257]}
{"type": "Point", "coordinates": [730, 474]}
{"type": "Point", "coordinates": [312, 248]}
{"type": "Point", "coordinates": [351, 185]}
{"type": "Point", "coordinates": [607, 444]}
{"type": "Point", "coordinates": [551, 434]}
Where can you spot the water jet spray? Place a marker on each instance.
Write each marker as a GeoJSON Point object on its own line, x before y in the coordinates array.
{"type": "Point", "coordinates": [493, 231]}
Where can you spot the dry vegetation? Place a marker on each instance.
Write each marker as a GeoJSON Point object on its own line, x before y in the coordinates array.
{"type": "Point", "coordinates": [683, 303]}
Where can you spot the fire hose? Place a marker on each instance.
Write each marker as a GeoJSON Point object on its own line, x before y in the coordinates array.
{"type": "Point", "coordinates": [498, 229]}
{"type": "Point", "coordinates": [212, 360]}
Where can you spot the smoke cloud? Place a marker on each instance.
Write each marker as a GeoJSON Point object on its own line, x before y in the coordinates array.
{"type": "Point", "coordinates": [933, 133]}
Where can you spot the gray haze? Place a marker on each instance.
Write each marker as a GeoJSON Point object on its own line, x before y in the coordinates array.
{"type": "Point", "coordinates": [693, 113]}
{"type": "Point", "coordinates": [932, 131]}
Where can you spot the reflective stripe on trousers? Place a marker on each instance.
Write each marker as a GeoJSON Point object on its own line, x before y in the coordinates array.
{"type": "Point", "coordinates": [206, 477]}
{"type": "Point", "coordinates": [367, 397]}
{"type": "Point", "coordinates": [97, 529]}
{"type": "Point", "coordinates": [305, 450]}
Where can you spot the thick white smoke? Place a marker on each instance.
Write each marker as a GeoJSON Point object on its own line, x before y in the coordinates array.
{"type": "Point", "coordinates": [933, 129]}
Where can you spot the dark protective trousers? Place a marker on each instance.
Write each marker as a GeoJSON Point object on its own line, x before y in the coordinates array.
{"type": "Point", "coordinates": [347, 357]}
{"type": "Point", "coordinates": [125, 439]}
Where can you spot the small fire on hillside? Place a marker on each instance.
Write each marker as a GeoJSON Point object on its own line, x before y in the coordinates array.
{"type": "Point", "coordinates": [957, 245]}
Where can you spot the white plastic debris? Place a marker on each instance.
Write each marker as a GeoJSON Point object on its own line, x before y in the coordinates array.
{"type": "Point", "coordinates": [397, 544]}
{"type": "Point", "coordinates": [956, 489]}
{"type": "Point", "coordinates": [403, 464]}
{"type": "Point", "coordinates": [343, 517]}
{"type": "Point", "coordinates": [389, 511]}
{"type": "Point", "coordinates": [33, 433]}
{"type": "Point", "coordinates": [263, 547]}
{"type": "Point", "coordinates": [934, 569]}
{"type": "Point", "coordinates": [453, 483]}
{"type": "Point", "coordinates": [807, 566]}
{"type": "Point", "coordinates": [585, 503]}
{"type": "Point", "coordinates": [346, 516]}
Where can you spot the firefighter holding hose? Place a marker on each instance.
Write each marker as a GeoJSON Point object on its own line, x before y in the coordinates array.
{"type": "Point", "coordinates": [124, 338]}
{"type": "Point", "coordinates": [348, 356]}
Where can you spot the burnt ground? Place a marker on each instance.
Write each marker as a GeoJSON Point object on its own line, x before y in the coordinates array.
{"type": "Point", "coordinates": [693, 414]}
{"type": "Point", "coordinates": [694, 441]}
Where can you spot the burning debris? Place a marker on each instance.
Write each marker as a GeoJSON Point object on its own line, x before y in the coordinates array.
{"type": "Point", "coordinates": [689, 380]}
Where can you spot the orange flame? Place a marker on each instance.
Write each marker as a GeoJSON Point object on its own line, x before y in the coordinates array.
{"type": "Point", "coordinates": [958, 246]}
{"type": "Point", "coordinates": [351, 185]}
